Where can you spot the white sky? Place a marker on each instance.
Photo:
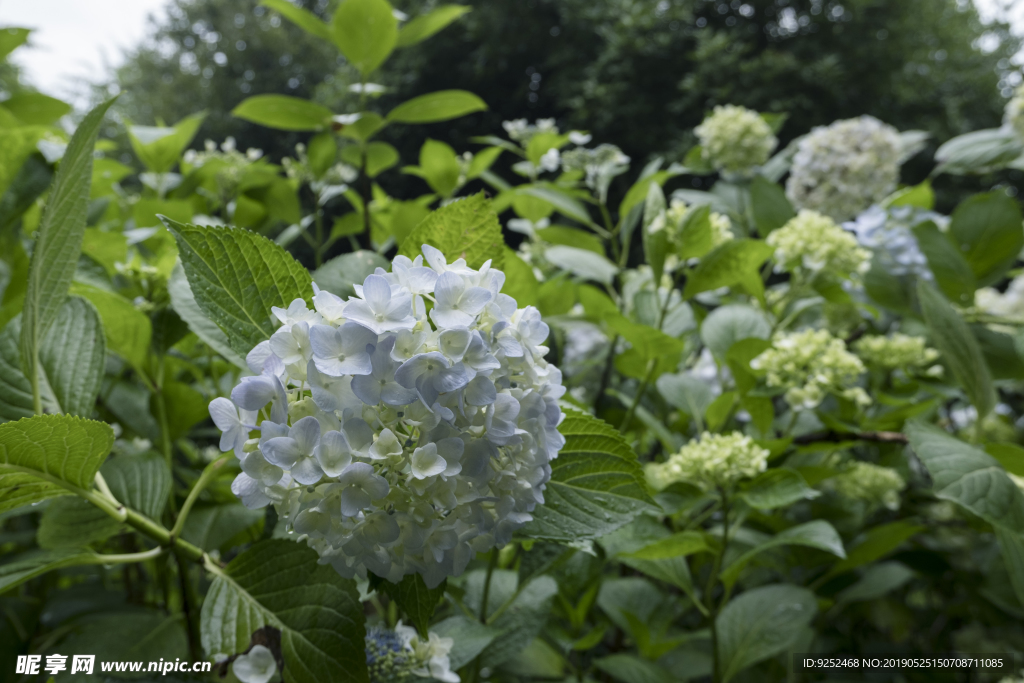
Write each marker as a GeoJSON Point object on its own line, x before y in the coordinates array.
{"type": "Point", "coordinates": [75, 40]}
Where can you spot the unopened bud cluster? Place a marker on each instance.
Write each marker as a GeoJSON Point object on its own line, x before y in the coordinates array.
{"type": "Point", "coordinates": [401, 656]}
{"type": "Point", "coordinates": [898, 350]}
{"type": "Point", "coordinates": [842, 169]}
{"type": "Point", "coordinates": [814, 242]}
{"type": "Point", "coordinates": [810, 365]}
{"type": "Point", "coordinates": [735, 139]}
{"type": "Point", "coordinates": [870, 484]}
{"type": "Point", "coordinates": [715, 461]}
{"type": "Point", "coordinates": [403, 430]}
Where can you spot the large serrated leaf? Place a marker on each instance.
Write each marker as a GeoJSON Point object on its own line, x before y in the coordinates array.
{"type": "Point", "coordinates": [413, 597]}
{"type": "Point", "coordinates": [596, 484]}
{"type": "Point", "coordinates": [279, 583]}
{"type": "Point", "coordinates": [35, 451]}
{"type": "Point", "coordinates": [58, 239]}
{"type": "Point", "coordinates": [184, 304]}
{"type": "Point", "coordinates": [467, 229]}
{"type": "Point", "coordinates": [33, 564]}
{"type": "Point", "coordinates": [968, 476]}
{"type": "Point", "coordinates": [73, 356]}
{"type": "Point", "coordinates": [762, 623]}
{"type": "Point", "coordinates": [72, 522]}
{"type": "Point", "coordinates": [814, 534]}
{"type": "Point", "coordinates": [236, 277]}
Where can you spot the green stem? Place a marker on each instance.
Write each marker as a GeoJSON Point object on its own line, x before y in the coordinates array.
{"type": "Point", "coordinates": [487, 585]}
{"type": "Point", "coordinates": [714, 608]}
{"type": "Point", "coordinates": [37, 397]}
{"type": "Point", "coordinates": [127, 557]}
{"type": "Point", "coordinates": [204, 480]}
{"type": "Point", "coordinates": [651, 365]}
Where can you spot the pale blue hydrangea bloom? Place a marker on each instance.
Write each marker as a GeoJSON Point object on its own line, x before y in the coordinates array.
{"type": "Point", "coordinates": [393, 440]}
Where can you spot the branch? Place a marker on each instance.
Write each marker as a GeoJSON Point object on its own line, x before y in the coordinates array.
{"type": "Point", "coordinates": [838, 437]}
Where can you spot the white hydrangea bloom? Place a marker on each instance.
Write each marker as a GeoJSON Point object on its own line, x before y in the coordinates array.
{"type": "Point", "coordinates": [888, 233]}
{"type": "Point", "coordinates": [895, 351]}
{"type": "Point", "coordinates": [600, 164]}
{"type": "Point", "coordinates": [1009, 304]}
{"type": "Point", "coordinates": [735, 139]}
{"type": "Point", "coordinates": [869, 484]}
{"type": "Point", "coordinates": [841, 169]}
{"type": "Point", "coordinates": [522, 131]}
{"type": "Point", "coordinates": [257, 666]}
{"type": "Point", "coordinates": [814, 242]}
{"type": "Point", "coordinates": [1013, 115]}
{"type": "Point", "coordinates": [809, 365]}
{"type": "Point", "coordinates": [394, 439]}
{"type": "Point", "coordinates": [717, 460]}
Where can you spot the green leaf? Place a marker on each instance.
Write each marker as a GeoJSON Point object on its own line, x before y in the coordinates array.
{"type": "Point", "coordinates": [72, 522]}
{"type": "Point", "coordinates": [1009, 455]}
{"type": "Point", "coordinates": [952, 272]}
{"type": "Point", "coordinates": [73, 356]}
{"type": "Point", "coordinates": [677, 545]}
{"type": "Point", "coordinates": [696, 238]}
{"type": "Point", "coordinates": [775, 488]}
{"type": "Point", "coordinates": [817, 534]}
{"type": "Point", "coordinates": [128, 330]}
{"type": "Point", "coordinates": [987, 229]}
{"type": "Point", "coordinates": [160, 147]}
{"type": "Point", "coordinates": [365, 31]}
{"type": "Point", "coordinates": [307, 21]}
{"type": "Point", "coordinates": [222, 526]}
{"type": "Point", "coordinates": [958, 347]}
{"type": "Point", "coordinates": [436, 106]}
{"type": "Point", "coordinates": [686, 392]}
{"type": "Point", "coordinates": [32, 180]}
{"type": "Point", "coordinates": [236, 277]}
{"type": "Point", "coordinates": [380, 156]}
{"type": "Point", "coordinates": [643, 532]}
{"type": "Point", "coordinates": [656, 243]}
{"type": "Point", "coordinates": [439, 166]}
{"type": "Point", "coordinates": [571, 237]}
{"type": "Point", "coordinates": [470, 636]}
{"type": "Point", "coordinates": [729, 324]}
{"type": "Point", "coordinates": [279, 583]}
{"type": "Point", "coordinates": [414, 598]}
{"type": "Point", "coordinates": [582, 263]}
{"type": "Point", "coordinates": [769, 205]}
{"type": "Point", "coordinates": [878, 580]}
{"type": "Point", "coordinates": [524, 618]}
{"type": "Point", "coordinates": [921, 195]}
{"type": "Point", "coordinates": [647, 344]}
{"type": "Point", "coordinates": [1012, 547]}
{"type": "Point", "coordinates": [877, 543]}
{"type": "Point", "coordinates": [979, 151]}
{"type": "Point", "coordinates": [719, 410]}
{"type": "Point", "coordinates": [283, 112]}
{"type": "Point", "coordinates": [734, 263]}
{"type": "Point", "coordinates": [422, 27]}
{"type": "Point", "coordinates": [563, 203]}
{"type": "Point", "coordinates": [637, 194]}
{"type": "Point", "coordinates": [968, 476]}
{"type": "Point", "coordinates": [139, 635]}
{"type": "Point", "coordinates": [12, 38]}
{"type": "Point", "coordinates": [142, 482]}
{"type": "Point", "coordinates": [58, 240]}
{"type": "Point", "coordinates": [36, 109]}
{"type": "Point", "coordinates": [467, 228]}
{"type": "Point", "coordinates": [633, 669]}
{"type": "Point", "coordinates": [762, 623]}
{"type": "Point", "coordinates": [36, 452]}
{"type": "Point", "coordinates": [520, 282]}
{"type": "Point", "coordinates": [338, 275]}
{"type": "Point", "coordinates": [596, 484]}
{"type": "Point", "coordinates": [33, 564]}
{"type": "Point", "coordinates": [186, 408]}
{"type": "Point", "coordinates": [15, 390]}
{"type": "Point", "coordinates": [184, 304]}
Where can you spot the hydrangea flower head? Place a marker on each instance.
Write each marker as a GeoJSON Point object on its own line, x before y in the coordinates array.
{"type": "Point", "coordinates": [814, 242]}
{"type": "Point", "coordinates": [870, 484]}
{"type": "Point", "coordinates": [896, 351]}
{"type": "Point", "coordinates": [716, 460]}
{"type": "Point", "coordinates": [809, 365]}
{"type": "Point", "coordinates": [405, 429]}
{"type": "Point", "coordinates": [401, 655]}
{"type": "Point", "coordinates": [735, 139]}
{"type": "Point", "coordinates": [841, 169]}
{"type": "Point", "coordinates": [888, 234]}
{"type": "Point", "coordinates": [1008, 304]}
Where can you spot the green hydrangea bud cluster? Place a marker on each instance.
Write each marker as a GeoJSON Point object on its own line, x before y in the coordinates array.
{"type": "Point", "coordinates": [815, 242]}
{"type": "Point", "coordinates": [401, 655]}
{"type": "Point", "coordinates": [1013, 115]}
{"type": "Point", "coordinates": [895, 351]}
{"type": "Point", "coordinates": [844, 168]}
{"type": "Point", "coordinates": [735, 139]}
{"type": "Point", "coordinates": [716, 460]}
{"type": "Point", "coordinates": [870, 484]}
{"type": "Point", "coordinates": [809, 365]}
{"type": "Point", "coordinates": [386, 657]}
